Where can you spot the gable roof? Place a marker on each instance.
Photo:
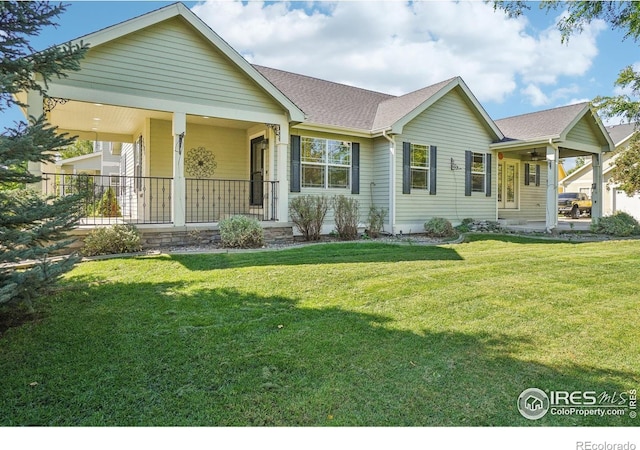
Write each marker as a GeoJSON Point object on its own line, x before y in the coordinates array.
{"type": "Point", "coordinates": [622, 132]}
{"type": "Point", "coordinates": [550, 123]}
{"type": "Point", "coordinates": [329, 103]}
{"type": "Point", "coordinates": [178, 9]}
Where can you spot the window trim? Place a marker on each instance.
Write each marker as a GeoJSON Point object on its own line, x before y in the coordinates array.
{"type": "Point", "coordinates": [326, 164]}
{"type": "Point", "coordinates": [483, 173]}
{"type": "Point", "coordinates": [426, 169]}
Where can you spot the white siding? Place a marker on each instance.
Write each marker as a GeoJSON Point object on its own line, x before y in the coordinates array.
{"type": "Point", "coordinates": [453, 128]}
{"type": "Point", "coordinates": [170, 61]}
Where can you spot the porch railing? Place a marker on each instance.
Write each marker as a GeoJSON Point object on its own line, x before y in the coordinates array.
{"type": "Point", "coordinates": [109, 199]}
{"type": "Point", "coordinates": [210, 200]}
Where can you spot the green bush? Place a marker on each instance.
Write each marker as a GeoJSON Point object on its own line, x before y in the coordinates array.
{"type": "Point", "coordinates": [307, 214]}
{"type": "Point", "coordinates": [619, 224]}
{"type": "Point", "coordinates": [439, 227]}
{"type": "Point", "coordinates": [375, 220]}
{"type": "Point", "coordinates": [465, 225]}
{"type": "Point", "coordinates": [346, 214]}
{"type": "Point", "coordinates": [241, 232]}
{"type": "Point", "coordinates": [112, 240]}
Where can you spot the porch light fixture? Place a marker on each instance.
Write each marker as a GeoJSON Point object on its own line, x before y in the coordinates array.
{"type": "Point", "coordinates": [264, 144]}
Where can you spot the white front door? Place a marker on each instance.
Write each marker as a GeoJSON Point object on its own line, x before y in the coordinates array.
{"type": "Point", "coordinates": [508, 184]}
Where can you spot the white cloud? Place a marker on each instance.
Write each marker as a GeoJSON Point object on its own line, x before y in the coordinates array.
{"type": "Point", "coordinates": [397, 47]}
{"type": "Point", "coordinates": [535, 95]}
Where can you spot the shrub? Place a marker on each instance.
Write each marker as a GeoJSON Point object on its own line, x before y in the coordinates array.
{"type": "Point", "coordinates": [307, 214]}
{"type": "Point", "coordinates": [346, 214]}
{"type": "Point", "coordinates": [619, 224]}
{"type": "Point", "coordinates": [439, 227]}
{"type": "Point", "coordinates": [108, 205]}
{"type": "Point", "coordinates": [112, 240]}
{"type": "Point", "coordinates": [241, 232]}
{"type": "Point", "coordinates": [465, 225]}
{"type": "Point", "coordinates": [375, 220]}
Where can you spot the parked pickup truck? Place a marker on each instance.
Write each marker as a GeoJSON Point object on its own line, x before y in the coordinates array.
{"type": "Point", "coordinates": [574, 204]}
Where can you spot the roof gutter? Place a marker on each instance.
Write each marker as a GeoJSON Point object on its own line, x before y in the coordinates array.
{"type": "Point", "coordinates": [392, 181]}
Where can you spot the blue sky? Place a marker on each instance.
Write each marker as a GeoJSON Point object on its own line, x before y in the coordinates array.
{"type": "Point", "coordinates": [513, 66]}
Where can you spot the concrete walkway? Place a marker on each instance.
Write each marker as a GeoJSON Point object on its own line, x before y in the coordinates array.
{"type": "Point", "coordinates": [564, 224]}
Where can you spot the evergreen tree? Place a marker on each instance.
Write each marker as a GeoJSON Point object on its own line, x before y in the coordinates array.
{"type": "Point", "coordinates": [31, 227]}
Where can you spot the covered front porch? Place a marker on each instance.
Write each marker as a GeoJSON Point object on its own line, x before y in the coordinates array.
{"type": "Point", "coordinates": [528, 158]}
{"type": "Point", "coordinates": [203, 134]}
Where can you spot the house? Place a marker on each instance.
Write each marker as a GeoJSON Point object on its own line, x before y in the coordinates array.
{"type": "Point", "coordinates": [614, 200]}
{"type": "Point", "coordinates": [207, 135]}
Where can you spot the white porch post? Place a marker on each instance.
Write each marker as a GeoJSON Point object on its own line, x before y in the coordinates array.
{"type": "Point", "coordinates": [282, 145]}
{"type": "Point", "coordinates": [178, 184]}
{"type": "Point", "coordinates": [552, 189]}
{"type": "Point", "coordinates": [596, 191]}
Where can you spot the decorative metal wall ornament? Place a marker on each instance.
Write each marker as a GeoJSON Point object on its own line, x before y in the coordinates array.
{"type": "Point", "coordinates": [276, 129]}
{"type": "Point", "coordinates": [200, 162]}
{"type": "Point", "coordinates": [51, 102]}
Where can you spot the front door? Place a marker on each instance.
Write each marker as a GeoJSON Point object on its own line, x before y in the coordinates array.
{"type": "Point", "coordinates": [257, 171]}
{"type": "Point", "coordinates": [508, 184]}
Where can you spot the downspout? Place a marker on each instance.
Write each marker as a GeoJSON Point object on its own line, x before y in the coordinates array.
{"type": "Point", "coordinates": [392, 181]}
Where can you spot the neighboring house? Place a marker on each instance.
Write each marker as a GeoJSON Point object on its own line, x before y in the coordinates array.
{"type": "Point", "coordinates": [614, 200]}
{"type": "Point", "coordinates": [207, 135]}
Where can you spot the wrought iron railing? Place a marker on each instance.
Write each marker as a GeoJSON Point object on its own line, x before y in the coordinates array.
{"type": "Point", "coordinates": [213, 200]}
{"type": "Point", "coordinates": [109, 199]}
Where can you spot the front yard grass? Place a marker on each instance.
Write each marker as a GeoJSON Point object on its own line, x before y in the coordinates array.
{"type": "Point", "coordinates": [329, 335]}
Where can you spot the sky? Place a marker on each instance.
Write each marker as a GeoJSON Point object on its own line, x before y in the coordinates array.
{"type": "Point", "coordinates": [512, 65]}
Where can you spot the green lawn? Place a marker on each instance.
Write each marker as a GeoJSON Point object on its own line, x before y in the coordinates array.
{"type": "Point", "coordinates": [329, 335]}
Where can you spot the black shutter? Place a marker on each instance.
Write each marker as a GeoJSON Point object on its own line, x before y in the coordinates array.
{"type": "Point", "coordinates": [487, 165]}
{"type": "Point", "coordinates": [295, 163]}
{"type": "Point", "coordinates": [432, 169]}
{"type": "Point", "coordinates": [355, 168]}
{"type": "Point", "coordinates": [406, 168]}
{"type": "Point", "coordinates": [527, 171]}
{"type": "Point", "coordinates": [537, 174]}
{"type": "Point", "coordinates": [468, 160]}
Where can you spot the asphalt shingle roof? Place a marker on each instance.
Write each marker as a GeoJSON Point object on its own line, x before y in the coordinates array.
{"type": "Point", "coordinates": [394, 109]}
{"type": "Point", "coordinates": [541, 124]}
{"type": "Point", "coordinates": [620, 132]}
{"type": "Point", "coordinates": [326, 102]}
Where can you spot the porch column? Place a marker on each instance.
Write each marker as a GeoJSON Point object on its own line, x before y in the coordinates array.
{"type": "Point", "coordinates": [178, 184]}
{"type": "Point", "coordinates": [552, 189]}
{"type": "Point", "coordinates": [596, 188]}
{"type": "Point", "coordinates": [282, 145]}
{"type": "Point", "coordinates": [35, 108]}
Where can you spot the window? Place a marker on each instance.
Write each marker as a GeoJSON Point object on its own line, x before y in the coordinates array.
{"type": "Point", "coordinates": [531, 174]}
{"type": "Point", "coordinates": [419, 166]}
{"type": "Point", "coordinates": [478, 172]}
{"type": "Point", "coordinates": [325, 163]}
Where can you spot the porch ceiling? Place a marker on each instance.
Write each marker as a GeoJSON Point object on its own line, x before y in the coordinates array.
{"type": "Point", "coordinates": [539, 153]}
{"type": "Point", "coordinates": [96, 121]}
